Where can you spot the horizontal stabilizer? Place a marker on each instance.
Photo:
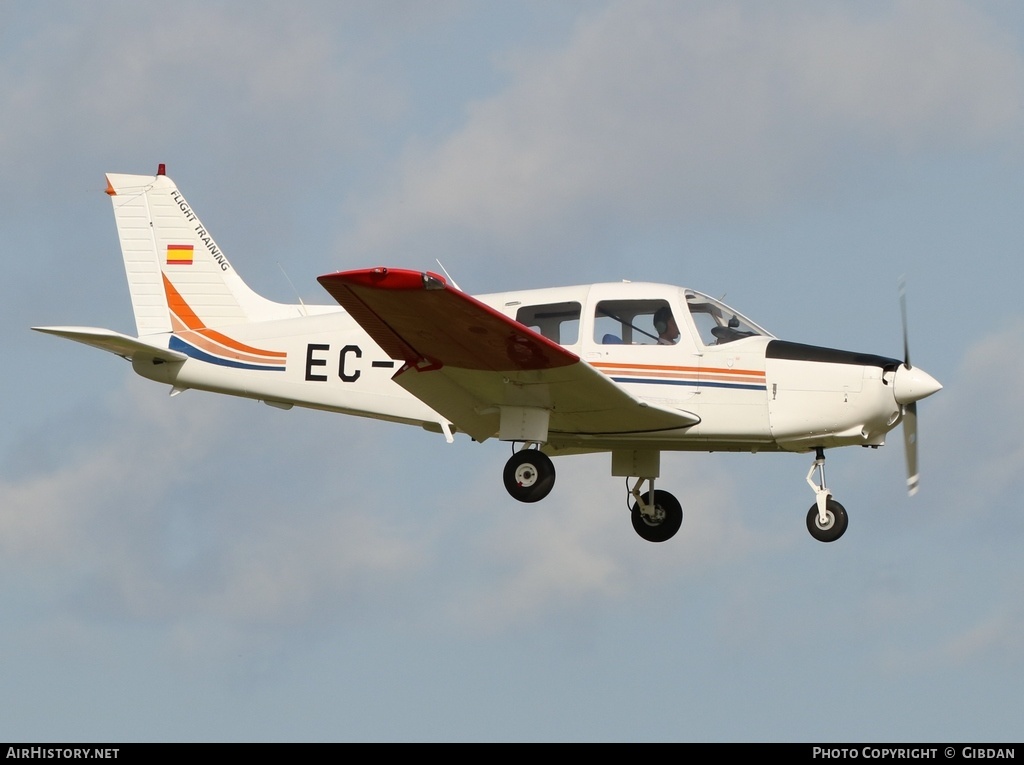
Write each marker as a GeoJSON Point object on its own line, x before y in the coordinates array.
{"type": "Point", "coordinates": [113, 342]}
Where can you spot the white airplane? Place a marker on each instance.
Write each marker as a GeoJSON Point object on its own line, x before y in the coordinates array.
{"type": "Point", "coordinates": [633, 369]}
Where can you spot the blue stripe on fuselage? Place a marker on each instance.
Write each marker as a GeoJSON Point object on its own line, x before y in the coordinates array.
{"type": "Point", "coordinates": [177, 344]}
{"type": "Point", "coordinates": [691, 383]}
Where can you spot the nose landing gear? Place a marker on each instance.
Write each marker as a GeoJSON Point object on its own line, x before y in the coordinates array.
{"type": "Point", "coordinates": [827, 519]}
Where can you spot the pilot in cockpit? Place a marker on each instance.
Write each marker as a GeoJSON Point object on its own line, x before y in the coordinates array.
{"type": "Point", "coordinates": [665, 324]}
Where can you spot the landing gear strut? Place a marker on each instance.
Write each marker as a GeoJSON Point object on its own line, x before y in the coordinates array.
{"type": "Point", "coordinates": [657, 515]}
{"type": "Point", "coordinates": [529, 475]}
{"type": "Point", "coordinates": [827, 519]}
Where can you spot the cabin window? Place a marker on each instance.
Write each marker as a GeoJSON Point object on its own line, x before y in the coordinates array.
{"type": "Point", "coordinates": [559, 322]}
{"type": "Point", "coordinates": [634, 322]}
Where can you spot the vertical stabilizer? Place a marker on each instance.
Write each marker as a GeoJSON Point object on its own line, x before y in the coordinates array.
{"type": "Point", "coordinates": [178, 277]}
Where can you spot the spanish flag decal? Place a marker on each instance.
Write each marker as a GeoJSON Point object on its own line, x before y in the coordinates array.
{"type": "Point", "coordinates": [179, 254]}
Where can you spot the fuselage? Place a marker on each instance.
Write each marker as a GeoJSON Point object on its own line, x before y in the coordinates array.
{"type": "Point", "coordinates": [669, 346]}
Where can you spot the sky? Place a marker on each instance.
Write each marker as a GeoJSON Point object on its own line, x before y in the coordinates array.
{"type": "Point", "coordinates": [203, 568]}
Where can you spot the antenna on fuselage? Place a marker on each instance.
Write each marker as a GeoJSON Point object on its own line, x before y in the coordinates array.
{"type": "Point", "coordinates": [302, 306]}
{"type": "Point", "coordinates": [447, 275]}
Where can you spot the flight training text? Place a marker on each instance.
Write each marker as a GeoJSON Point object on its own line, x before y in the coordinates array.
{"type": "Point", "coordinates": [201, 232]}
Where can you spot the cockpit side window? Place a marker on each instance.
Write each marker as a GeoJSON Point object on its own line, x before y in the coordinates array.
{"type": "Point", "coordinates": [634, 322]}
{"type": "Point", "coordinates": [559, 322]}
{"type": "Point", "coordinates": [718, 324]}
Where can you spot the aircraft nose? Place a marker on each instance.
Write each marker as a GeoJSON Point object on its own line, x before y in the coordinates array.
{"type": "Point", "coordinates": [913, 384]}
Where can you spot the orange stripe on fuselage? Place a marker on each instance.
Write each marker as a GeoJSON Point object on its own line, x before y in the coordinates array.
{"type": "Point", "coordinates": [202, 339]}
{"type": "Point", "coordinates": [666, 370]}
{"type": "Point", "coordinates": [646, 367]}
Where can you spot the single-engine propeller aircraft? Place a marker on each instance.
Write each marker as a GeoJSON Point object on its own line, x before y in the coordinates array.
{"type": "Point", "coordinates": [633, 369]}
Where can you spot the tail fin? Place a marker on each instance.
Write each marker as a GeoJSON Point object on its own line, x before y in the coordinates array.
{"type": "Point", "coordinates": [177, 275]}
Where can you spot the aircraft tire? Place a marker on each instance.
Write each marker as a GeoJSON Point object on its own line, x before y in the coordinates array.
{"type": "Point", "coordinates": [671, 517]}
{"type": "Point", "coordinates": [529, 475]}
{"type": "Point", "coordinates": [837, 521]}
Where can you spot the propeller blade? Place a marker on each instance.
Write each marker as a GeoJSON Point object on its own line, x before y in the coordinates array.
{"type": "Point", "coordinates": [909, 410]}
{"type": "Point", "coordinates": [903, 314]}
{"type": "Point", "coordinates": [910, 446]}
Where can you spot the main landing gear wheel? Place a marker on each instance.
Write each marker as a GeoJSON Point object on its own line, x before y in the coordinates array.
{"type": "Point", "coordinates": [835, 523]}
{"type": "Point", "coordinates": [665, 520]}
{"type": "Point", "coordinates": [529, 475]}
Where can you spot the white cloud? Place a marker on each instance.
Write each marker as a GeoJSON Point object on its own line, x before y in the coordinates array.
{"type": "Point", "coordinates": [976, 642]}
{"type": "Point", "coordinates": [577, 549]}
{"type": "Point", "coordinates": [235, 82]}
{"type": "Point", "coordinates": [997, 636]}
{"type": "Point", "coordinates": [148, 519]}
{"type": "Point", "coordinates": [143, 541]}
{"type": "Point", "coordinates": [669, 111]}
{"type": "Point", "coordinates": [974, 426]}
{"type": "Point", "coordinates": [63, 514]}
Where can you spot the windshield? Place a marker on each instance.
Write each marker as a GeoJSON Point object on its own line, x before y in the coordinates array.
{"type": "Point", "coordinates": [717, 323]}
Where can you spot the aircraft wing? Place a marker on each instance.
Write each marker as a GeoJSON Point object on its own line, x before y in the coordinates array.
{"type": "Point", "coordinates": [468, 361]}
{"type": "Point", "coordinates": [113, 342]}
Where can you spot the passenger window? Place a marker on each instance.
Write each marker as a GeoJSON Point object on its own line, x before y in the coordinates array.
{"type": "Point", "coordinates": [634, 322]}
{"type": "Point", "coordinates": [559, 322]}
